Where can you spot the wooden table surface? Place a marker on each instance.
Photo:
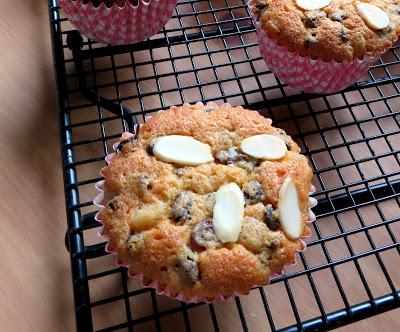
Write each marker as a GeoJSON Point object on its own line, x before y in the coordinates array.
{"type": "Point", "coordinates": [35, 272]}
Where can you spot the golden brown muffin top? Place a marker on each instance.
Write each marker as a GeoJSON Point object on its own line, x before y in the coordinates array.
{"type": "Point", "coordinates": [334, 32]}
{"type": "Point", "coordinates": [159, 215]}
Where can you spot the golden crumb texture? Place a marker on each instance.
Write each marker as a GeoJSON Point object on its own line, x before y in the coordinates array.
{"type": "Point", "coordinates": [335, 32]}
{"type": "Point", "coordinates": [158, 215]}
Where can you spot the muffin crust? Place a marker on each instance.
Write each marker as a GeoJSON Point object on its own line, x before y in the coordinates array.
{"type": "Point", "coordinates": [335, 32]}
{"type": "Point", "coordinates": [158, 215]}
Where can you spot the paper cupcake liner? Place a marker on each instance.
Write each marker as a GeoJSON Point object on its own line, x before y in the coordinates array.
{"type": "Point", "coordinates": [307, 74]}
{"type": "Point", "coordinates": [119, 25]}
{"type": "Point", "coordinates": [165, 289]}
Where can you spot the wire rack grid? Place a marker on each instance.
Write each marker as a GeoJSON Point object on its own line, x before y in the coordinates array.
{"type": "Point", "coordinates": [208, 52]}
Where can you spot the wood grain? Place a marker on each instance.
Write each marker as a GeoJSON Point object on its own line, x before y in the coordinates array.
{"type": "Point", "coordinates": [35, 273]}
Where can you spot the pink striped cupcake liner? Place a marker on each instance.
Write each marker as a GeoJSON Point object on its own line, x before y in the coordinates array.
{"type": "Point", "coordinates": [307, 74]}
{"type": "Point", "coordinates": [165, 289]}
{"type": "Point", "coordinates": [119, 25]}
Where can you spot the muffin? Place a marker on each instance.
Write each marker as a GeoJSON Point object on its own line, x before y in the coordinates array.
{"type": "Point", "coordinates": [324, 46]}
{"type": "Point", "coordinates": [117, 22]}
{"type": "Point", "coordinates": [205, 201]}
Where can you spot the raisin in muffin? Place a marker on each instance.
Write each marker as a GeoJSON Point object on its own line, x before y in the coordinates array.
{"type": "Point", "coordinates": [193, 203]}
{"type": "Point", "coordinates": [346, 37]}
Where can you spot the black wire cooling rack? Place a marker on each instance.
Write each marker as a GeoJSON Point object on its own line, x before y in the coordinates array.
{"type": "Point", "coordinates": [209, 52]}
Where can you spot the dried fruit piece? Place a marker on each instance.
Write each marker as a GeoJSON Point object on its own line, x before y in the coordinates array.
{"type": "Point", "coordinates": [289, 209]}
{"type": "Point", "coordinates": [374, 16]}
{"type": "Point", "coordinates": [312, 19]}
{"type": "Point", "coordinates": [204, 236]}
{"type": "Point", "coordinates": [264, 146]}
{"type": "Point", "coordinates": [253, 192]}
{"type": "Point", "coordinates": [260, 7]}
{"type": "Point", "coordinates": [272, 218]}
{"type": "Point", "coordinates": [339, 16]}
{"type": "Point", "coordinates": [229, 156]}
{"type": "Point", "coordinates": [123, 142]}
{"type": "Point", "coordinates": [228, 212]}
{"type": "Point", "coordinates": [150, 147]}
{"type": "Point", "coordinates": [312, 4]}
{"type": "Point", "coordinates": [182, 150]}
{"type": "Point", "coordinates": [208, 110]}
{"type": "Point", "coordinates": [233, 157]}
{"type": "Point", "coordinates": [343, 35]}
{"type": "Point", "coordinates": [112, 204]}
{"type": "Point", "coordinates": [267, 252]}
{"type": "Point", "coordinates": [187, 267]}
{"type": "Point", "coordinates": [181, 206]}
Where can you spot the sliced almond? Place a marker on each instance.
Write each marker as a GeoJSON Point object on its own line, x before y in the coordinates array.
{"type": "Point", "coordinates": [289, 209]}
{"type": "Point", "coordinates": [312, 4]}
{"type": "Point", "coordinates": [182, 150]}
{"type": "Point", "coordinates": [264, 146]}
{"type": "Point", "coordinates": [374, 16]}
{"type": "Point", "coordinates": [228, 212]}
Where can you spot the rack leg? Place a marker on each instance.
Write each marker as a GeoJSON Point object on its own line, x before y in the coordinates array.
{"type": "Point", "coordinates": [75, 44]}
{"type": "Point", "coordinates": [66, 240]}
